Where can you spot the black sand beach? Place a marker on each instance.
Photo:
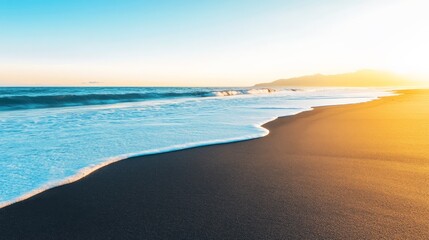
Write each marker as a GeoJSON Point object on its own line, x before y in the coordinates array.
{"type": "Point", "coordinates": [344, 172]}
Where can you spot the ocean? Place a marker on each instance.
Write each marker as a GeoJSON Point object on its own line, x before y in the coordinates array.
{"type": "Point", "coordinates": [51, 136]}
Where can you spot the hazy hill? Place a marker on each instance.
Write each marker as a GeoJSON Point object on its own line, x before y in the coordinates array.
{"type": "Point", "coordinates": [362, 78]}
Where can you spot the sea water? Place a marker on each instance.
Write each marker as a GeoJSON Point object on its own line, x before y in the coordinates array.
{"type": "Point", "coordinates": [51, 136]}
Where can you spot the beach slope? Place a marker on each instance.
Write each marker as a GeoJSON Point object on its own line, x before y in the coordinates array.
{"type": "Point", "coordinates": [356, 171]}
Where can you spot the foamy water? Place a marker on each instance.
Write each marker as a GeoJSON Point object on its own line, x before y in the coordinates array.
{"type": "Point", "coordinates": [51, 136]}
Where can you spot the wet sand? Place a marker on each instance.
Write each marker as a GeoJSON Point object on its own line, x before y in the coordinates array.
{"type": "Point", "coordinates": [356, 171]}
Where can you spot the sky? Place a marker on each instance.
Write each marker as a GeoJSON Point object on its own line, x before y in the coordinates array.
{"type": "Point", "coordinates": [206, 42]}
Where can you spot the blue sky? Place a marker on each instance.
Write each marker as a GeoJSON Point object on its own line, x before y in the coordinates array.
{"type": "Point", "coordinates": [236, 42]}
{"type": "Point", "coordinates": [62, 29]}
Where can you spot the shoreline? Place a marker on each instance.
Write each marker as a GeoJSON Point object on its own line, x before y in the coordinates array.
{"type": "Point", "coordinates": [90, 169]}
{"type": "Point", "coordinates": [335, 172]}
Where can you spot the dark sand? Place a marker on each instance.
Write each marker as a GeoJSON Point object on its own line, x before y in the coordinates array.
{"type": "Point", "coordinates": [344, 172]}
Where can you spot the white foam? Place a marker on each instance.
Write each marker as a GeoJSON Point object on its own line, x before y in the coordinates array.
{"type": "Point", "coordinates": [226, 93]}
{"type": "Point", "coordinates": [261, 91]}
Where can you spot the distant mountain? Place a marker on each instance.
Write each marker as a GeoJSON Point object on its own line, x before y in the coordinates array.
{"type": "Point", "coordinates": [362, 78]}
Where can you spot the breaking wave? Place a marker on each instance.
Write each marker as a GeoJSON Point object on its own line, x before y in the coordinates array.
{"type": "Point", "coordinates": [20, 101]}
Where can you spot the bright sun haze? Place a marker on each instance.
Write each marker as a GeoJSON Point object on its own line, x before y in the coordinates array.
{"type": "Point", "coordinates": [206, 43]}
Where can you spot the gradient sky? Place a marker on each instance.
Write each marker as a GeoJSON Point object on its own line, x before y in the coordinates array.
{"type": "Point", "coordinates": [206, 43]}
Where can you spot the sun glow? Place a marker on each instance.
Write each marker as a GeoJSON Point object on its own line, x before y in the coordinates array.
{"type": "Point", "coordinates": [397, 36]}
